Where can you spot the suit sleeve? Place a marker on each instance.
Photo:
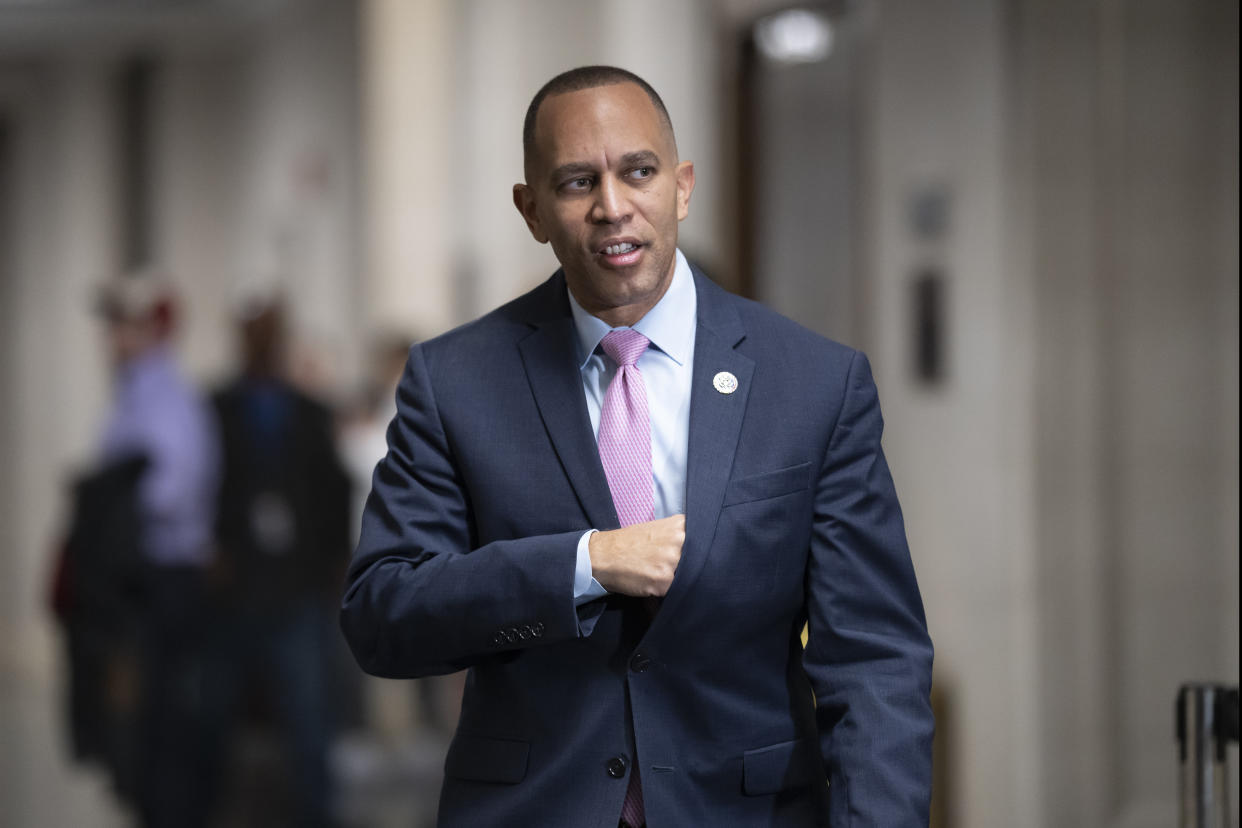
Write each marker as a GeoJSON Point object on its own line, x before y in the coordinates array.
{"type": "Point", "coordinates": [868, 654]}
{"type": "Point", "coordinates": [419, 598]}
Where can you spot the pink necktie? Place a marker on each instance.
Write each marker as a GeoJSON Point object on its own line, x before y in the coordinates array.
{"type": "Point", "coordinates": [625, 430]}
{"type": "Point", "coordinates": [625, 449]}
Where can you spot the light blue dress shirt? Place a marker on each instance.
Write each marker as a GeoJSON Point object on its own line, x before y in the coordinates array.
{"type": "Point", "coordinates": [158, 414]}
{"type": "Point", "coordinates": [666, 367]}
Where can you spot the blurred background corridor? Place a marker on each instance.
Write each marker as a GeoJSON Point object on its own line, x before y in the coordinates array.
{"type": "Point", "coordinates": [1024, 211]}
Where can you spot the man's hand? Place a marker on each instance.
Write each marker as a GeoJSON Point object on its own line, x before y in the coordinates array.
{"type": "Point", "coordinates": [638, 560]}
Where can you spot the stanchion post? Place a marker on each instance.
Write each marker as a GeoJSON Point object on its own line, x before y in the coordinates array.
{"type": "Point", "coordinates": [1207, 720]}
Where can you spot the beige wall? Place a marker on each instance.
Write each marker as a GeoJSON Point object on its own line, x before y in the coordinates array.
{"type": "Point", "coordinates": [64, 238]}
{"type": "Point", "coordinates": [256, 187]}
{"type": "Point", "coordinates": [1129, 161]}
{"type": "Point", "coordinates": [961, 451]}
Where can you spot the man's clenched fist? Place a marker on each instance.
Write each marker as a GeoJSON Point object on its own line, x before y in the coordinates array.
{"type": "Point", "coordinates": [638, 560]}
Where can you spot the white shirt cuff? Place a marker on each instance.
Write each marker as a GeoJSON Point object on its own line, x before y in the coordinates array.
{"type": "Point", "coordinates": [586, 588]}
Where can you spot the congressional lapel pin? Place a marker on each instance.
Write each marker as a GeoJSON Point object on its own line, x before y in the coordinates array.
{"type": "Point", "coordinates": [724, 382]}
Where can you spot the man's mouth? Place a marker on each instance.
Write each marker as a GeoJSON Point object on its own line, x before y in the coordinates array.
{"type": "Point", "coordinates": [621, 254]}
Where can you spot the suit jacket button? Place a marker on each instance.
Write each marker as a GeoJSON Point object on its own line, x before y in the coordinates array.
{"type": "Point", "coordinates": [616, 767]}
{"type": "Point", "coordinates": [640, 662]}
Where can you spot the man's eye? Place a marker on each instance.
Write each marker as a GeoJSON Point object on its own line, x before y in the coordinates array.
{"type": "Point", "coordinates": [583, 183]}
{"type": "Point", "coordinates": [643, 172]}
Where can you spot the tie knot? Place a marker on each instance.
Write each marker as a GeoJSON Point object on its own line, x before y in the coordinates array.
{"type": "Point", "coordinates": [625, 345]}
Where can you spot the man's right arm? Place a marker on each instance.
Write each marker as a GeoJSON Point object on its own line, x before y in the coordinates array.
{"type": "Point", "coordinates": [419, 598]}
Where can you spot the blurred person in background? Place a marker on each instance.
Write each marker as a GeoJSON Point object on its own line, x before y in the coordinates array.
{"type": "Point", "coordinates": [138, 553]}
{"type": "Point", "coordinates": [283, 535]}
{"type": "Point", "coordinates": [650, 673]}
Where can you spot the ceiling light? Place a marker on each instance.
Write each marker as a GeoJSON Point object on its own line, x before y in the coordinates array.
{"type": "Point", "coordinates": [794, 36]}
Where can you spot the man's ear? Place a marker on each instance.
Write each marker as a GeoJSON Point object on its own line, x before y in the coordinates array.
{"type": "Point", "coordinates": [685, 186]}
{"type": "Point", "coordinates": [524, 201]}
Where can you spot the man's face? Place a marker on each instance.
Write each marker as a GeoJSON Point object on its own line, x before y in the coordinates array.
{"type": "Point", "coordinates": [606, 190]}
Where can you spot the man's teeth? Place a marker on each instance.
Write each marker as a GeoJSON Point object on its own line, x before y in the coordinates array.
{"type": "Point", "coordinates": [616, 249]}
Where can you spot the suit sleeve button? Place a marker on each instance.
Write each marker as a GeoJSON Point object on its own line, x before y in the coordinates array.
{"type": "Point", "coordinates": [616, 767]}
{"type": "Point", "coordinates": [639, 662]}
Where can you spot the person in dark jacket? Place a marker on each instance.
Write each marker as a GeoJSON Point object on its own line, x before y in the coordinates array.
{"type": "Point", "coordinates": [283, 538]}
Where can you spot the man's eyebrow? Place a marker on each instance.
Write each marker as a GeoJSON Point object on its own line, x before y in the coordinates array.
{"type": "Point", "coordinates": [641, 158]}
{"type": "Point", "coordinates": [570, 170]}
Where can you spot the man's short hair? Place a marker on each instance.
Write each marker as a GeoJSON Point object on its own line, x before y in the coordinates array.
{"type": "Point", "coordinates": [574, 80]}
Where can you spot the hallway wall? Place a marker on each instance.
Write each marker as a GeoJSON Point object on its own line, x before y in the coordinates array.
{"type": "Point", "coordinates": [1128, 151]}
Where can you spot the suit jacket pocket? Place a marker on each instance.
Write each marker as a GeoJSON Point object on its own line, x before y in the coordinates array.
{"type": "Point", "coordinates": [481, 759]}
{"type": "Point", "coordinates": [778, 767]}
{"type": "Point", "coordinates": [768, 484]}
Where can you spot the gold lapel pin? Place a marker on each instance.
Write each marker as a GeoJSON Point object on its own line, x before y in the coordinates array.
{"type": "Point", "coordinates": [724, 382]}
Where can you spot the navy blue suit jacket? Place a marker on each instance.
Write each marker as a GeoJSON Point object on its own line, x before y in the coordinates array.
{"type": "Point", "coordinates": [466, 560]}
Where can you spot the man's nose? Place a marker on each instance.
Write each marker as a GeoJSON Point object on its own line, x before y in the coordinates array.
{"type": "Point", "coordinates": [611, 204]}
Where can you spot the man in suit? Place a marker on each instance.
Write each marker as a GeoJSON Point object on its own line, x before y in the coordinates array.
{"type": "Point", "coordinates": [617, 499]}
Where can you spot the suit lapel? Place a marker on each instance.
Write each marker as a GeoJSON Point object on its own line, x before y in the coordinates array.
{"type": "Point", "coordinates": [715, 425]}
{"type": "Point", "coordinates": [548, 356]}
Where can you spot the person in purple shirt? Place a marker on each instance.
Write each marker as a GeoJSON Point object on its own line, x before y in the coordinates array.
{"type": "Point", "coordinates": [159, 418]}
